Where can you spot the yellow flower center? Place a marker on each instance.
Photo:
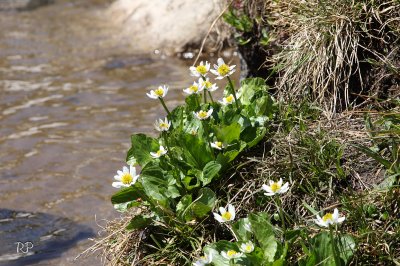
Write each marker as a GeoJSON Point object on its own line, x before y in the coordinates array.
{"type": "Point", "coordinates": [230, 98]}
{"type": "Point", "coordinates": [275, 187]}
{"type": "Point", "coordinates": [218, 144]}
{"type": "Point", "coordinates": [163, 125]}
{"type": "Point", "coordinates": [207, 84]}
{"type": "Point", "coordinates": [202, 114]}
{"type": "Point", "coordinates": [231, 253]}
{"type": "Point", "coordinates": [223, 70]}
{"type": "Point", "coordinates": [327, 217]}
{"type": "Point", "coordinates": [227, 216]}
{"type": "Point", "coordinates": [159, 92]}
{"type": "Point", "coordinates": [159, 152]}
{"type": "Point", "coordinates": [248, 248]}
{"type": "Point", "coordinates": [126, 178]}
{"type": "Point", "coordinates": [194, 88]}
{"type": "Point", "coordinates": [193, 132]}
{"type": "Point", "coordinates": [201, 69]}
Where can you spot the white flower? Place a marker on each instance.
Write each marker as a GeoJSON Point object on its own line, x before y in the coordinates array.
{"type": "Point", "coordinates": [161, 125]}
{"type": "Point", "coordinates": [329, 218]}
{"type": "Point", "coordinates": [158, 153]}
{"type": "Point", "coordinates": [208, 85]}
{"type": "Point", "coordinates": [226, 215]}
{"type": "Point", "coordinates": [160, 92]}
{"type": "Point", "coordinates": [247, 247]}
{"type": "Point", "coordinates": [275, 188]}
{"type": "Point", "coordinates": [196, 88]}
{"type": "Point", "coordinates": [228, 100]}
{"type": "Point", "coordinates": [247, 227]}
{"type": "Point", "coordinates": [204, 260]}
{"type": "Point", "coordinates": [231, 254]}
{"type": "Point", "coordinates": [126, 177]}
{"type": "Point", "coordinates": [200, 70]}
{"type": "Point", "coordinates": [203, 115]}
{"type": "Point", "coordinates": [217, 145]}
{"type": "Point", "coordinates": [222, 70]}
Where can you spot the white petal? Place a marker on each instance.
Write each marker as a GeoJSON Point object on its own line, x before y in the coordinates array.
{"type": "Point", "coordinates": [222, 210]}
{"type": "Point", "coordinates": [269, 194]}
{"type": "Point", "coordinates": [267, 188]}
{"type": "Point", "coordinates": [321, 223]}
{"type": "Point", "coordinates": [125, 169]}
{"type": "Point", "coordinates": [280, 182]}
{"type": "Point", "coordinates": [132, 170]}
{"type": "Point", "coordinates": [219, 77]}
{"type": "Point", "coordinates": [231, 209]}
{"type": "Point", "coordinates": [218, 217]}
{"type": "Point", "coordinates": [220, 61]}
{"type": "Point", "coordinates": [215, 72]}
{"type": "Point", "coordinates": [117, 177]}
{"type": "Point", "coordinates": [341, 219]}
{"type": "Point", "coordinates": [284, 188]}
{"type": "Point", "coordinates": [117, 184]}
{"type": "Point", "coordinates": [335, 215]}
{"type": "Point", "coordinates": [154, 154]}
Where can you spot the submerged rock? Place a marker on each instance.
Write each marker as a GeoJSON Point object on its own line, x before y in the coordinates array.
{"type": "Point", "coordinates": [167, 25]}
{"type": "Point", "coordinates": [32, 237]}
{"type": "Point", "coordinates": [23, 4]}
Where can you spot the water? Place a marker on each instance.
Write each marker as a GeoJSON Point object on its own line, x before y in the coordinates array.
{"type": "Point", "coordinates": [71, 94]}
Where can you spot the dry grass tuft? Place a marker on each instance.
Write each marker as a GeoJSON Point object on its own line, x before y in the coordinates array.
{"type": "Point", "coordinates": [333, 51]}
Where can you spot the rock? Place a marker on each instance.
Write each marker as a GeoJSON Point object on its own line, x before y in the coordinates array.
{"type": "Point", "coordinates": [167, 25]}
{"type": "Point", "coordinates": [28, 238]}
{"type": "Point", "coordinates": [23, 4]}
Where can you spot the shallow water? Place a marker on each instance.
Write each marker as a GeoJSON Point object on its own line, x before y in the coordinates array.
{"type": "Point", "coordinates": [70, 96]}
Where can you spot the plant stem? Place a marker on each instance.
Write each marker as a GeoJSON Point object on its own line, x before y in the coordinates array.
{"type": "Point", "coordinates": [197, 100]}
{"type": "Point", "coordinates": [164, 135]}
{"type": "Point", "coordinates": [281, 215]}
{"type": "Point", "coordinates": [205, 127]}
{"type": "Point", "coordinates": [163, 104]}
{"type": "Point", "coordinates": [233, 91]}
{"type": "Point", "coordinates": [233, 232]}
{"type": "Point", "coordinates": [209, 93]}
{"type": "Point", "coordinates": [334, 248]}
{"type": "Point", "coordinates": [205, 96]}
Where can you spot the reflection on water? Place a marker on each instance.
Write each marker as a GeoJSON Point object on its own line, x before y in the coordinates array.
{"type": "Point", "coordinates": [70, 96]}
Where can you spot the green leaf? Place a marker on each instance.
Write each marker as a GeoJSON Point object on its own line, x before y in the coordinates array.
{"type": "Point", "coordinates": [192, 179]}
{"type": "Point", "coordinates": [142, 145]}
{"type": "Point", "coordinates": [228, 134]}
{"type": "Point", "coordinates": [217, 248]}
{"type": "Point", "coordinates": [347, 247]}
{"type": "Point", "coordinates": [123, 207]}
{"type": "Point", "coordinates": [249, 89]}
{"type": "Point", "coordinates": [376, 156]}
{"type": "Point", "coordinates": [128, 194]}
{"type": "Point", "coordinates": [322, 249]}
{"type": "Point", "coordinates": [264, 233]}
{"type": "Point", "coordinates": [210, 170]}
{"type": "Point", "coordinates": [240, 231]}
{"type": "Point", "coordinates": [195, 151]}
{"type": "Point", "coordinates": [191, 102]}
{"type": "Point", "coordinates": [204, 203]}
{"type": "Point", "coordinates": [253, 135]}
{"type": "Point", "coordinates": [139, 222]}
{"type": "Point", "coordinates": [155, 183]}
{"type": "Point", "coordinates": [388, 182]}
{"type": "Point", "coordinates": [182, 208]}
